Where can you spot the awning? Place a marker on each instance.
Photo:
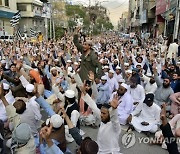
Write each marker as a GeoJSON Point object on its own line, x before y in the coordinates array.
{"type": "Point", "coordinates": [5, 14]}
{"type": "Point", "coordinates": [165, 15]}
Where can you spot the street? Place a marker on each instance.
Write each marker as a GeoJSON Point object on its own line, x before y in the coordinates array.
{"type": "Point", "coordinates": [136, 149]}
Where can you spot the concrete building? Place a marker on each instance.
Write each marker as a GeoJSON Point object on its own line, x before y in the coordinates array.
{"type": "Point", "coordinates": [7, 9]}
{"type": "Point", "coordinates": [31, 15]}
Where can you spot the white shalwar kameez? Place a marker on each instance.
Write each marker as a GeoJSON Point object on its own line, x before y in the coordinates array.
{"type": "Point", "coordinates": [147, 114]}
{"type": "Point", "coordinates": [125, 107]}
{"type": "Point", "coordinates": [108, 134]}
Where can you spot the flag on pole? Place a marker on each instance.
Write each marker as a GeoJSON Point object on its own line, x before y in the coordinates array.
{"type": "Point", "coordinates": [18, 35]}
{"type": "Point", "coordinates": [33, 32]}
{"type": "Point", "coordinates": [15, 19]}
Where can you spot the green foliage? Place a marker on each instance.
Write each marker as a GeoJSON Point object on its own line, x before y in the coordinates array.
{"type": "Point", "coordinates": [96, 16]}
{"type": "Point", "coordinates": [59, 32]}
{"type": "Point", "coordinates": [71, 10]}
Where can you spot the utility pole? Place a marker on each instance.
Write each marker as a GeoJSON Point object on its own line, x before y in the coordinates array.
{"type": "Point", "coordinates": [53, 30]}
{"type": "Point", "coordinates": [176, 25]}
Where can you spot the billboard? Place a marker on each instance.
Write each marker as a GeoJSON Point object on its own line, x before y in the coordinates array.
{"type": "Point", "coordinates": [160, 6]}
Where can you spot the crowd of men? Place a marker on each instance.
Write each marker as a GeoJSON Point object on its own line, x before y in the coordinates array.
{"type": "Point", "coordinates": [101, 82]}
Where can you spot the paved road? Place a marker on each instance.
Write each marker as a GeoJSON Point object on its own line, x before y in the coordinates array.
{"type": "Point", "coordinates": [138, 148]}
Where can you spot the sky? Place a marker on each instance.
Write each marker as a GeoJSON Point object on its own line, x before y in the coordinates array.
{"type": "Point", "coordinates": [115, 7]}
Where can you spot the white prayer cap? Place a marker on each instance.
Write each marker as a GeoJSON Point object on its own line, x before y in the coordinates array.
{"type": "Point", "coordinates": [139, 64]}
{"type": "Point", "coordinates": [69, 69]}
{"type": "Point", "coordinates": [3, 61]}
{"type": "Point", "coordinates": [124, 85]}
{"type": "Point", "coordinates": [56, 121]}
{"type": "Point", "coordinates": [30, 88]}
{"type": "Point", "coordinates": [121, 80]}
{"type": "Point", "coordinates": [56, 59]}
{"type": "Point", "coordinates": [106, 67]}
{"type": "Point", "coordinates": [129, 71]}
{"type": "Point", "coordinates": [5, 86]}
{"type": "Point", "coordinates": [101, 60]}
{"type": "Point", "coordinates": [178, 62]}
{"type": "Point", "coordinates": [104, 77]}
{"type": "Point", "coordinates": [53, 68]}
{"type": "Point", "coordinates": [34, 55]}
{"type": "Point", "coordinates": [79, 60]}
{"type": "Point", "coordinates": [118, 67]}
{"type": "Point", "coordinates": [69, 61]}
{"type": "Point", "coordinates": [111, 71]}
{"type": "Point", "coordinates": [126, 64]}
{"type": "Point", "coordinates": [116, 60]}
{"type": "Point", "coordinates": [69, 93]}
{"type": "Point", "coordinates": [21, 57]}
{"type": "Point", "coordinates": [76, 63]}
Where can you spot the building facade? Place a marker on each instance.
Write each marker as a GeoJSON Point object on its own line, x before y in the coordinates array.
{"type": "Point", "coordinates": [31, 16]}
{"type": "Point", "coordinates": [7, 9]}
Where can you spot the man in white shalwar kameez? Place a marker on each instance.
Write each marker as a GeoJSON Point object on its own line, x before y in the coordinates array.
{"type": "Point", "coordinates": [149, 116]}
{"type": "Point", "coordinates": [110, 129]}
{"type": "Point", "coordinates": [125, 106]}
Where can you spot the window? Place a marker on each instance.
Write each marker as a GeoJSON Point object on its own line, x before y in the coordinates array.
{"type": "Point", "coordinates": [21, 7]}
{"type": "Point", "coordinates": [6, 2]}
{"type": "Point", "coordinates": [0, 2]}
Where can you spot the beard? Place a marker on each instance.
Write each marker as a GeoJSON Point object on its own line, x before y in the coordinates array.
{"type": "Point", "coordinates": [54, 74]}
{"type": "Point", "coordinates": [133, 86]}
{"type": "Point", "coordinates": [106, 120]}
{"type": "Point", "coordinates": [152, 81]}
{"type": "Point", "coordinates": [166, 85]}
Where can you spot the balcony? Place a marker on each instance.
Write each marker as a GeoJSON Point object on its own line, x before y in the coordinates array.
{"type": "Point", "coordinates": [31, 14]}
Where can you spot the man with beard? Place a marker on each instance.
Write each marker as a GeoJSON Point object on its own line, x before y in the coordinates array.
{"type": "Point", "coordinates": [137, 92]}
{"type": "Point", "coordinates": [110, 129]}
{"type": "Point", "coordinates": [72, 110]}
{"type": "Point", "coordinates": [163, 90]}
{"type": "Point", "coordinates": [125, 106]}
{"type": "Point", "coordinates": [89, 60]}
{"type": "Point", "coordinates": [147, 116]}
{"type": "Point", "coordinates": [174, 81]}
{"type": "Point", "coordinates": [150, 84]}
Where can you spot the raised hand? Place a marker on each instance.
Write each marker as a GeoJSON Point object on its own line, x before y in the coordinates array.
{"type": "Point", "coordinates": [1, 91]}
{"type": "Point", "coordinates": [115, 102]}
{"type": "Point", "coordinates": [163, 114]}
{"type": "Point", "coordinates": [45, 132]}
{"type": "Point", "coordinates": [91, 76]}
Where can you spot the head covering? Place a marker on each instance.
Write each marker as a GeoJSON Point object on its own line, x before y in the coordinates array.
{"type": "Point", "coordinates": [56, 121]}
{"type": "Point", "coordinates": [128, 71]}
{"type": "Point", "coordinates": [118, 67]}
{"type": "Point", "coordinates": [126, 64]}
{"type": "Point", "coordinates": [69, 61]}
{"type": "Point", "coordinates": [111, 71]}
{"type": "Point", "coordinates": [139, 64]}
{"type": "Point", "coordinates": [35, 74]}
{"type": "Point", "coordinates": [121, 80]}
{"type": "Point", "coordinates": [22, 133]}
{"type": "Point", "coordinates": [53, 68]}
{"type": "Point", "coordinates": [124, 85]}
{"type": "Point", "coordinates": [3, 61]}
{"type": "Point", "coordinates": [104, 77]}
{"type": "Point", "coordinates": [76, 63]}
{"type": "Point", "coordinates": [88, 146]}
{"type": "Point", "coordinates": [149, 98]}
{"type": "Point", "coordinates": [5, 86]}
{"type": "Point", "coordinates": [69, 93]}
{"type": "Point", "coordinates": [106, 67]}
{"type": "Point", "coordinates": [30, 88]}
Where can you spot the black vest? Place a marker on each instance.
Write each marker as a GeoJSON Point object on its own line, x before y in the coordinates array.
{"type": "Point", "coordinates": [69, 111]}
